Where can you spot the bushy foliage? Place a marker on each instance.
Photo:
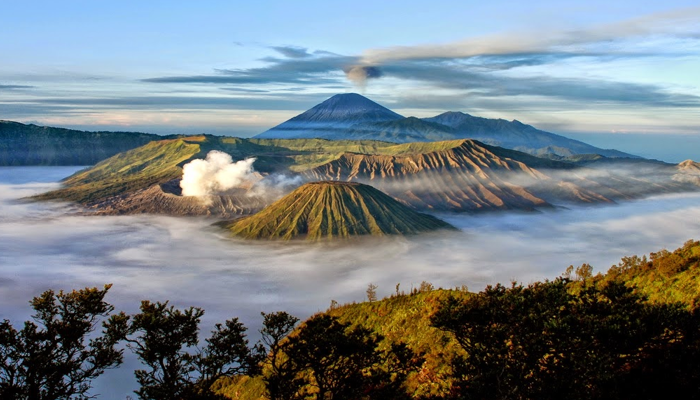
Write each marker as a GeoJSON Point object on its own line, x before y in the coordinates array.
{"type": "Point", "coordinates": [57, 356]}
{"type": "Point", "coordinates": [547, 341]}
{"type": "Point", "coordinates": [165, 340]}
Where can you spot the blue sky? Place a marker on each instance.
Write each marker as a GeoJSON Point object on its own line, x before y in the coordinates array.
{"type": "Point", "coordinates": [233, 67]}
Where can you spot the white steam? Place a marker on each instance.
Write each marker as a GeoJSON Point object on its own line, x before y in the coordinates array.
{"type": "Point", "coordinates": [216, 174]}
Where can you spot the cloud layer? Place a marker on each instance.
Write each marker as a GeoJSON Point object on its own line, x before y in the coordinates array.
{"type": "Point", "coordinates": [191, 263]}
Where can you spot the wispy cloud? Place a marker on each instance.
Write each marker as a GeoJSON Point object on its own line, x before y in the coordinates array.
{"type": "Point", "coordinates": [15, 87]}
{"type": "Point", "coordinates": [292, 51]}
{"type": "Point", "coordinates": [316, 70]}
{"type": "Point", "coordinates": [679, 23]}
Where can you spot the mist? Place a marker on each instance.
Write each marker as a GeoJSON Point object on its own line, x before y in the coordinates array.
{"type": "Point", "coordinates": [189, 262]}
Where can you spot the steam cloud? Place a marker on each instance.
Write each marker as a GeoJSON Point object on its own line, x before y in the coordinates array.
{"type": "Point", "coordinates": [216, 174]}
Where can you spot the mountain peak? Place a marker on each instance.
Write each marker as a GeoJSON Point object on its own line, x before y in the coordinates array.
{"type": "Point", "coordinates": [348, 106]}
{"type": "Point", "coordinates": [336, 113]}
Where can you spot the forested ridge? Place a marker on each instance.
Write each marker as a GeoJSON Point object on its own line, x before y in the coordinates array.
{"type": "Point", "coordinates": [633, 332]}
{"type": "Point", "coordinates": [22, 145]}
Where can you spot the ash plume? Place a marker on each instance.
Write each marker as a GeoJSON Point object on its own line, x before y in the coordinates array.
{"type": "Point", "coordinates": [360, 74]}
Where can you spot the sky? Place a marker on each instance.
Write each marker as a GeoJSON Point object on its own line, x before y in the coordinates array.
{"type": "Point", "coordinates": [239, 68]}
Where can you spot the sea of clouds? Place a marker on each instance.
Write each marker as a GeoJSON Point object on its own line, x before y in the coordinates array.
{"type": "Point", "coordinates": [189, 262]}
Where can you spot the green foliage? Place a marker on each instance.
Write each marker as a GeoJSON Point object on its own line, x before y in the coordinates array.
{"type": "Point", "coordinates": [325, 210]}
{"type": "Point", "coordinates": [664, 277]}
{"type": "Point", "coordinates": [280, 370]}
{"type": "Point", "coordinates": [327, 359]}
{"type": "Point", "coordinates": [154, 163]}
{"type": "Point", "coordinates": [405, 320]}
{"type": "Point", "coordinates": [57, 356]}
{"type": "Point", "coordinates": [546, 341]}
{"type": "Point", "coordinates": [163, 336]}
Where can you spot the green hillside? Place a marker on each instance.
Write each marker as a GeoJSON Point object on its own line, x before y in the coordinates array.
{"type": "Point", "coordinates": [156, 162]}
{"type": "Point", "coordinates": [663, 277]}
{"type": "Point", "coordinates": [160, 161]}
{"type": "Point", "coordinates": [22, 144]}
{"type": "Point", "coordinates": [326, 210]}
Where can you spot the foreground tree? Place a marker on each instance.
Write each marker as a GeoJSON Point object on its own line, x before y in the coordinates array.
{"type": "Point", "coordinates": [165, 340]}
{"type": "Point", "coordinates": [280, 375]}
{"type": "Point", "coordinates": [556, 340]}
{"type": "Point", "coordinates": [326, 359]}
{"type": "Point", "coordinates": [57, 356]}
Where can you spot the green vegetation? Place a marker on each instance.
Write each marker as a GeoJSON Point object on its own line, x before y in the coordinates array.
{"type": "Point", "coordinates": [325, 210]}
{"type": "Point", "coordinates": [57, 355]}
{"type": "Point", "coordinates": [156, 162]}
{"type": "Point", "coordinates": [39, 145]}
{"type": "Point", "coordinates": [160, 161]}
{"type": "Point", "coordinates": [579, 336]}
{"type": "Point", "coordinates": [663, 277]}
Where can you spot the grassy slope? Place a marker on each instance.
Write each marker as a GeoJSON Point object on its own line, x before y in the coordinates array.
{"type": "Point", "coordinates": [399, 318]}
{"type": "Point", "coordinates": [331, 209]}
{"type": "Point", "coordinates": [160, 161]}
{"type": "Point", "coordinates": [663, 277]}
{"type": "Point", "coordinates": [153, 163]}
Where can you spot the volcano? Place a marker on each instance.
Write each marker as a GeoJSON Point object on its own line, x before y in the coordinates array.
{"type": "Point", "coordinates": [327, 210]}
{"type": "Point", "coordinates": [332, 118]}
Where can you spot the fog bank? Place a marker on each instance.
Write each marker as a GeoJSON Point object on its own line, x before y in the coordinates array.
{"type": "Point", "coordinates": [187, 261]}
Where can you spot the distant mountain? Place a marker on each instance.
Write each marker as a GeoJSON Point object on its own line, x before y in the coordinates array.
{"type": "Point", "coordinates": [516, 135]}
{"type": "Point", "coordinates": [331, 118]}
{"type": "Point", "coordinates": [22, 144]}
{"type": "Point", "coordinates": [354, 117]}
{"type": "Point", "coordinates": [328, 210]}
{"type": "Point", "coordinates": [688, 171]}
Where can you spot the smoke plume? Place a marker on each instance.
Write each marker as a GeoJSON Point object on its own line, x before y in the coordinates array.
{"type": "Point", "coordinates": [360, 74]}
{"type": "Point", "coordinates": [216, 174]}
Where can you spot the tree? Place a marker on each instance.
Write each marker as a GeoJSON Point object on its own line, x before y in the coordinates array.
{"type": "Point", "coordinates": [371, 292]}
{"type": "Point", "coordinates": [281, 375]}
{"type": "Point", "coordinates": [163, 339]}
{"type": "Point", "coordinates": [547, 341]}
{"type": "Point", "coordinates": [56, 356]}
{"type": "Point", "coordinates": [336, 359]}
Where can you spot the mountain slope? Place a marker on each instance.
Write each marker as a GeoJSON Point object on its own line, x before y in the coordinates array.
{"type": "Point", "coordinates": [22, 144]}
{"type": "Point", "coordinates": [461, 176]}
{"type": "Point", "coordinates": [516, 135]}
{"type": "Point", "coordinates": [325, 210]}
{"type": "Point", "coordinates": [688, 172]}
{"type": "Point", "coordinates": [331, 117]}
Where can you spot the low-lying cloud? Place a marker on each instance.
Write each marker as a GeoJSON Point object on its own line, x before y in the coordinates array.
{"type": "Point", "coordinates": [189, 262]}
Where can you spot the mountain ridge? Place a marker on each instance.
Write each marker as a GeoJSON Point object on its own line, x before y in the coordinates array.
{"type": "Point", "coordinates": [327, 120]}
